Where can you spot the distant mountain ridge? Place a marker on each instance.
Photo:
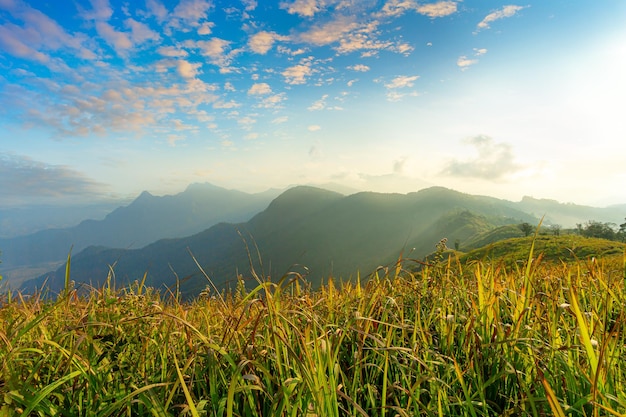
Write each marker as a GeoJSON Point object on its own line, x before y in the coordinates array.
{"type": "Point", "coordinates": [325, 232]}
{"type": "Point", "coordinates": [145, 220]}
{"type": "Point", "coordinates": [568, 214]}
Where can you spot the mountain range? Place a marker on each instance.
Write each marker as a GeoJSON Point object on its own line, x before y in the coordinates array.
{"type": "Point", "coordinates": [314, 231]}
{"type": "Point", "coordinates": [147, 219]}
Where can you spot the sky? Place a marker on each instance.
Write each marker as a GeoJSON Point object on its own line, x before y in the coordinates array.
{"type": "Point", "coordinates": [103, 99]}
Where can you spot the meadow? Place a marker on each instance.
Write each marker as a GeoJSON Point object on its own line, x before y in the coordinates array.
{"type": "Point", "coordinates": [444, 338]}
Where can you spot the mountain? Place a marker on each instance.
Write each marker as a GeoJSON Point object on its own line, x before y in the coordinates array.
{"type": "Point", "coordinates": [147, 219]}
{"type": "Point", "coordinates": [569, 214]}
{"type": "Point", "coordinates": [25, 220]}
{"type": "Point", "coordinates": [305, 227]}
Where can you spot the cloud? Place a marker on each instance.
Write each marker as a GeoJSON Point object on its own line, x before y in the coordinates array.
{"type": "Point", "coordinates": [319, 104]}
{"type": "Point", "coordinates": [173, 138]}
{"type": "Point", "coordinates": [119, 41]}
{"type": "Point", "coordinates": [140, 32]}
{"type": "Point", "coordinates": [359, 67]}
{"type": "Point", "coordinates": [218, 50]}
{"type": "Point", "coordinates": [101, 10]}
{"type": "Point", "coordinates": [314, 128]}
{"type": "Point", "coordinates": [157, 10]}
{"type": "Point", "coordinates": [365, 37]}
{"type": "Point", "coordinates": [439, 9]}
{"type": "Point", "coordinates": [398, 165]}
{"type": "Point", "coordinates": [306, 8]}
{"type": "Point", "coordinates": [394, 8]}
{"type": "Point", "coordinates": [272, 102]}
{"type": "Point", "coordinates": [172, 52]}
{"type": "Point", "coordinates": [402, 81]}
{"type": "Point", "coordinates": [186, 69]}
{"type": "Point", "coordinates": [260, 89]}
{"type": "Point", "coordinates": [328, 33]}
{"type": "Point", "coordinates": [493, 162]}
{"type": "Point", "coordinates": [297, 74]}
{"type": "Point", "coordinates": [246, 122]}
{"type": "Point", "coordinates": [40, 33]}
{"type": "Point", "coordinates": [263, 41]}
{"type": "Point", "coordinates": [189, 13]}
{"type": "Point", "coordinates": [464, 62]}
{"type": "Point", "coordinates": [506, 11]}
{"type": "Point", "coordinates": [249, 5]}
{"type": "Point", "coordinates": [315, 151]}
{"type": "Point", "coordinates": [26, 181]}
{"type": "Point", "coordinates": [206, 28]}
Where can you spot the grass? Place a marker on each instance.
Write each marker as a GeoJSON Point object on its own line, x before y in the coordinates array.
{"type": "Point", "coordinates": [471, 338]}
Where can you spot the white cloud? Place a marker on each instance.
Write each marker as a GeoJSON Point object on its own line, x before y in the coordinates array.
{"type": "Point", "coordinates": [314, 128]}
{"type": "Point", "coordinates": [263, 41]}
{"type": "Point", "coordinates": [506, 11]}
{"type": "Point", "coordinates": [292, 52]}
{"type": "Point", "coordinates": [402, 81]}
{"type": "Point", "coordinates": [439, 9]}
{"type": "Point", "coordinates": [249, 5]}
{"type": "Point", "coordinates": [260, 89]}
{"type": "Point", "coordinates": [394, 95]}
{"type": "Point", "coordinates": [101, 10]}
{"type": "Point", "coordinates": [189, 13]}
{"type": "Point", "coordinates": [359, 67]}
{"type": "Point", "coordinates": [272, 102]}
{"type": "Point", "coordinates": [306, 8]}
{"type": "Point", "coordinates": [319, 104]}
{"type": "Point", "coordinates": [493, 162]}
{"type": "Point", "coordinates": [172, 139]}
{"type": "Point", "coordinates": [157, 10]}
{"type": "Point", "coordinates": [297, 74]}
{"type": "Point", "coordinates": [172, 52]}
{"type": "Point", "coordinates": [218, 50]}
{"type": "Point", "coordinates": [23, 180]}
{"type": "Point", "coordinates": [464, 62]}
{"type": "Point", "coordinates": [186, 69]}
{"type": "Point", "coordinates": [206, 28]}
{"type": "Point", "coordinates": [280, 120]}
{"type": "Point", "coordinates": [246, 122]}
{"type": "Point", "coordinates": [119, 41]}
{"type": "Point", "coordinates": [396, 8]}
{"type": "Point", "coordinates": [140, 32]}
{"type": "Point", "coordinates": [330, 32]}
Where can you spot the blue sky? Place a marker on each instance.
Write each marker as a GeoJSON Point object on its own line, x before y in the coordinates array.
{"type": "Point", "coordinates": [105, 98]}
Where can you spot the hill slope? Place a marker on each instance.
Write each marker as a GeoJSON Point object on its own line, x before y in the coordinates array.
{"type": "Point", "coordinates": [565, 248]}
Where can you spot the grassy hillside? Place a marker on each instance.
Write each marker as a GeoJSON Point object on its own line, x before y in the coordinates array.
{"type": "Point", "coordinates": [567, 248]}
{"type": "Point", "coordinates": [473, 340]}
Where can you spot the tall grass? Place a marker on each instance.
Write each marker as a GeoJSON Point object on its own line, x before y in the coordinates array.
{"type": "Point", "coordinates": [473, 339]}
